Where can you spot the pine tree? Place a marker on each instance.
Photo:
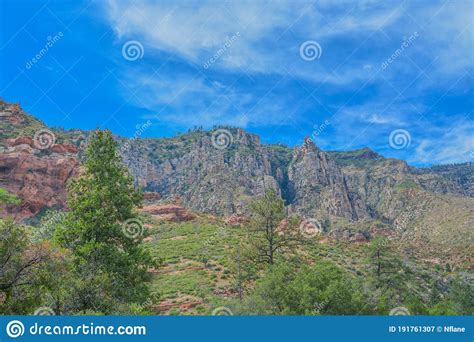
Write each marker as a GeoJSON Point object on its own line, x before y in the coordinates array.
{"type": "Point", "coordinates": [385, 264]}
{"type": "Point", "coordinates": [103, 231]}
{"type": "Point", "coordinates": [269, 234]}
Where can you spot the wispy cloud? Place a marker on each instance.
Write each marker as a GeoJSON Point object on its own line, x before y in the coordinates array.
{"type": "Point", "coordinates": [259, 80]}
{"type": "Point", "coordinates": [453, 144]}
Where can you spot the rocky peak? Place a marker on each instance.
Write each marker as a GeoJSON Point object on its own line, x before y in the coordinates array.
{"type": "Point", "coordinates": [245, 138]}
{"type": "Point", "coordinates": [318, 185]}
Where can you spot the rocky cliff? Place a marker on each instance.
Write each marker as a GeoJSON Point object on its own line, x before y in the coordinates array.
{"type": "Point", "coordinates": [220, 171]}
{"type": "Point", "coordinates": [206, 178]}
{"type": "Point", "coordinates": [319, 187]}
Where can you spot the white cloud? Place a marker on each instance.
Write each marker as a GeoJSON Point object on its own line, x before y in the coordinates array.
{"type": "Point", "coordinates": [270, 32]}
{"type": "Point", "coordinates": [454, 144]}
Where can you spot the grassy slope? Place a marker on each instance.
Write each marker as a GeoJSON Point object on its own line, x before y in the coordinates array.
{"type": "Point", "coordinates": [189, 286]}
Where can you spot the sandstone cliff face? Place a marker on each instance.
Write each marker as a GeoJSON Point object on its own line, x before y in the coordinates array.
{"type": "Point", "coordinates": [37, 180]}
{"type": "Point", "coordinates": [457, 178]}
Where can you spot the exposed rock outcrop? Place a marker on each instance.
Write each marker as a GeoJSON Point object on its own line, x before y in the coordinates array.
{"type": "Point", "coordinates": [168, 212]}
{"type": "Point", "coordinates": [318, 186]}
{"type": "Point", "coordinates": [207, 179]}
{"type": "Point", "coordinates": [151, 196]}
{"type": "Point", "coordinates": [37, 181]}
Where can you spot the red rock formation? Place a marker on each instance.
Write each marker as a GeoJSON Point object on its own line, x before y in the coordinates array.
{"type": "Point", "coordinates": [19, 141]}
{"type": "Point", "coordinates": [9, 113]}
{"type": "Point", "coordinates": [37, 181]}
{"type": "Point", "coordinates": [63, 148]}
{"type": "Point", "coordinates": [168, 212]}
{"type": "Point", "coordinates": [151, 196]}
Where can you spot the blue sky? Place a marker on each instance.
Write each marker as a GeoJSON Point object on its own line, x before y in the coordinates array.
{"type": "Point", "coordinates": [350, 74]}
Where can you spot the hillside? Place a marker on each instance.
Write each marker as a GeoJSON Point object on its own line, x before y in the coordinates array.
{"type": "Point", "coordinates": [197, 196]}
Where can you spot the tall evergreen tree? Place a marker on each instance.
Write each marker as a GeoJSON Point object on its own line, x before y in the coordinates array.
{"type": "Point", "coordinates": [103, 231]}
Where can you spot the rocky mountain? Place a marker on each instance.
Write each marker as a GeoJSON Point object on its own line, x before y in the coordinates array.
{"type": "Point", "coordinates": [220, 171]}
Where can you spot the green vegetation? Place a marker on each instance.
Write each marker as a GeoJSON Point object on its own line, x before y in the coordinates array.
{"type": "Point", "coordinates": [103, 232]}
{"type": "Point", "coordinates": [96, 262]}
{"type": "Point", "coordinates": [7, 198]}
{"type": "Point", "coordinates": [268, 235]}
{"type": "Point", "coordinates": [321, 289]}
{"type": "Point", "coordinates": [407, 184]}
{"type": "Point", "coordinates": [361, 158]}
{"type": "Point", "coordinates": [87, 261]}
